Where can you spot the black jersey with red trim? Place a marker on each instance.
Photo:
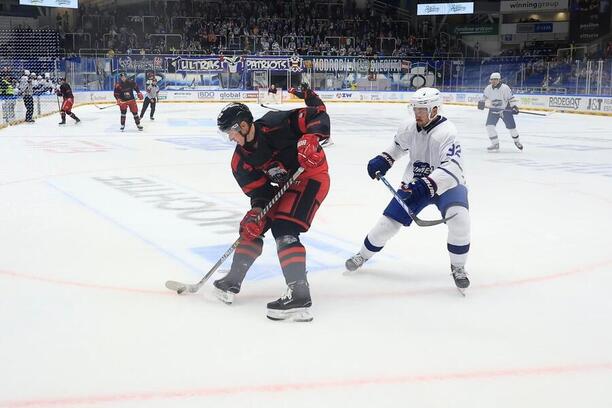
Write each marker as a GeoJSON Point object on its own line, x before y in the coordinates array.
{"type": "Point", "coordinates": [310, 98]}
{"type": "Point", "coordinates": [65, 91]}
{"type": "Point", "coordinates": [276, 137]}
{"type": "Point", "coordinates": [124, 90]}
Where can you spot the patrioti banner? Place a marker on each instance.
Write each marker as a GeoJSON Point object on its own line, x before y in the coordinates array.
{"type": "Point", "coordinates": [293, 63]}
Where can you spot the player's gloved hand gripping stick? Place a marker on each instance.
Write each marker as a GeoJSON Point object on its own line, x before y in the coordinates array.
{"type": "Point", "coordinates": [180, 288]}
{"type": "Point", "coordinates": [417, 220]}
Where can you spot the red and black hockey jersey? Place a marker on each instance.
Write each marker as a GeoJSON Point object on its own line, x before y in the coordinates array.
{"type": "Point", "coordinates": [124, 90]}
{"type": "Point", "coordinates": [310, 98]}
{"type": "Point", "coordinates": [276, 137]}
{"type": "Point", "coordinates": [65, 91]}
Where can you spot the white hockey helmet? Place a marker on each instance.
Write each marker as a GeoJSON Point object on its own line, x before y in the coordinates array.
{"type": "Point", "coordinates": [32, 74]}
{"type": "Point", "coordinates": [426, 98]}
{"type": "Point", "coordinates": [495, 75]}
{"type": "Point", "coordinates": [26, 72]}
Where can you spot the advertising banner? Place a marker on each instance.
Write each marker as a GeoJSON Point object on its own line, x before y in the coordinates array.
{"type": "Point", "coordinates": [131, 64]}
{"type": "Point", "coordinates": [483, 29]}
{"type": "Point", "coordinates": [519, 6]}
{"type": "Point", "coordinates": [354, 64]}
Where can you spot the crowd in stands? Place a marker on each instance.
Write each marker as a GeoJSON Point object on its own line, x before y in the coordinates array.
{"type": "Point", "coordinates": [309, 27]}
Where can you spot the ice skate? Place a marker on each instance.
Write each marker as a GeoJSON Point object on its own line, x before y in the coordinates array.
{"type": "Point", "coordinates": [355, 262]}
{"type": "Point", "coordinates": [122, 128]}
{"type": "Point", "coordinates": [226, 289]}
{"type": "Point", "coordinates": [493, 148]}
{"type": "Point", "coordinates": [460, 277]}
{"type": "Point", "coordinates": [63, 122]}
{"type": "Point", "coordinates": [518, 144]}
{"type": "Point", "coordinates": [294, 305]}
{"type": "Point", "coordinates": [139, 127]}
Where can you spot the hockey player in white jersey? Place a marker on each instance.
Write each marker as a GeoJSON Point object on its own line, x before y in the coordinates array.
{"type": "Point", "coordinates": [434, 175]}
{"type": "Point", "coordinates": [502, 105]}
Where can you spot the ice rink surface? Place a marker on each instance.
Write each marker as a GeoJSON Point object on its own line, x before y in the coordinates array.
{"type": "Point", "coordinates": [94, 221]}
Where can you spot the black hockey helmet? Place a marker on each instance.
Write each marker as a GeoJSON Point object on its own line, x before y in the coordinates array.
{"type": "Point", "coordinates": [232, 114]}
{"type": "Point", "coordinates": [304, 85]}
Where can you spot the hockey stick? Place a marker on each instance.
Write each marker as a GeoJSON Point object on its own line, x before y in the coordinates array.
{"type": "Point", "coordinates": [417, 220]}
{"type": "Point", "coordinates": [104, 107]}
{"type": "Point", "coordinates": [180, 288]}
{"type": "Point", "coordinates": [536, 114]}
{"type": "Point", "coordinates": [501, 111]}
{"type": "Point", "coordinates": [269, 107]}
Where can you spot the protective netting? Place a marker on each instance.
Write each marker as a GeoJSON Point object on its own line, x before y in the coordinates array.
{"type": "Point", "coordinates": [29, 69]}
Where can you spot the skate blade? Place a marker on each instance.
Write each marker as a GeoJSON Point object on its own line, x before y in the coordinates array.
{"type": "Point", "coordinates": [225, 297]}
{"type": "Point", "coordinates": [461, 291]}
{"type": "Point", "coordinates": [348, 272]}
{"type": "Point", "coordinates": [301, 314]}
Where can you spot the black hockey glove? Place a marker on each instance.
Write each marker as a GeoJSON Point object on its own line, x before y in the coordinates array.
{"type": "Point", "coordinates": [381, 163]}
{"type": "Point", "coordinates": [515, 110]}
{"type": "Point", "coordinates": [481, 105]}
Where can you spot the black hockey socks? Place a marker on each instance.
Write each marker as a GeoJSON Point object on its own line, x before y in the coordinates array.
{"type": "Point", "coordinates": [292, 257]}
{"type": "Point", "coordinates": [246, 253]}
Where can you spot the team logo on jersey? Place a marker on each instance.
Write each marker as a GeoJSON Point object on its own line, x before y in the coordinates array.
{"type": "Point", "coordinates": [421, 169]}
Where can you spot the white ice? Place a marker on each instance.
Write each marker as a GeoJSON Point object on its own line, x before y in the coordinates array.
{"type": "Point", "coordinates": [94, 221]}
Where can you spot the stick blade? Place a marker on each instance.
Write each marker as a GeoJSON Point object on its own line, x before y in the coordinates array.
{"type": "Point", "coordinates": [427, 223]}
{"type": "Point", "coordinates": [177, 287]}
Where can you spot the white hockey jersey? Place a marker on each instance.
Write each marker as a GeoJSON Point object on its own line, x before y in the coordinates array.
{"type": "Point", "coordinates": [434, 152]}
{"type": "Point", "coordinates": [500, 97]}
{"type": "Point", "coordinates": [152, 89]}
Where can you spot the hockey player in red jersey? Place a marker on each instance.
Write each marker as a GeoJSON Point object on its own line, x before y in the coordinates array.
{"type": "Point", "coordinates": [65, 92]}
{"type": "Point", "coordinates": [269, 150]}
{"type": "Point", "coordinates": [124, 94]}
